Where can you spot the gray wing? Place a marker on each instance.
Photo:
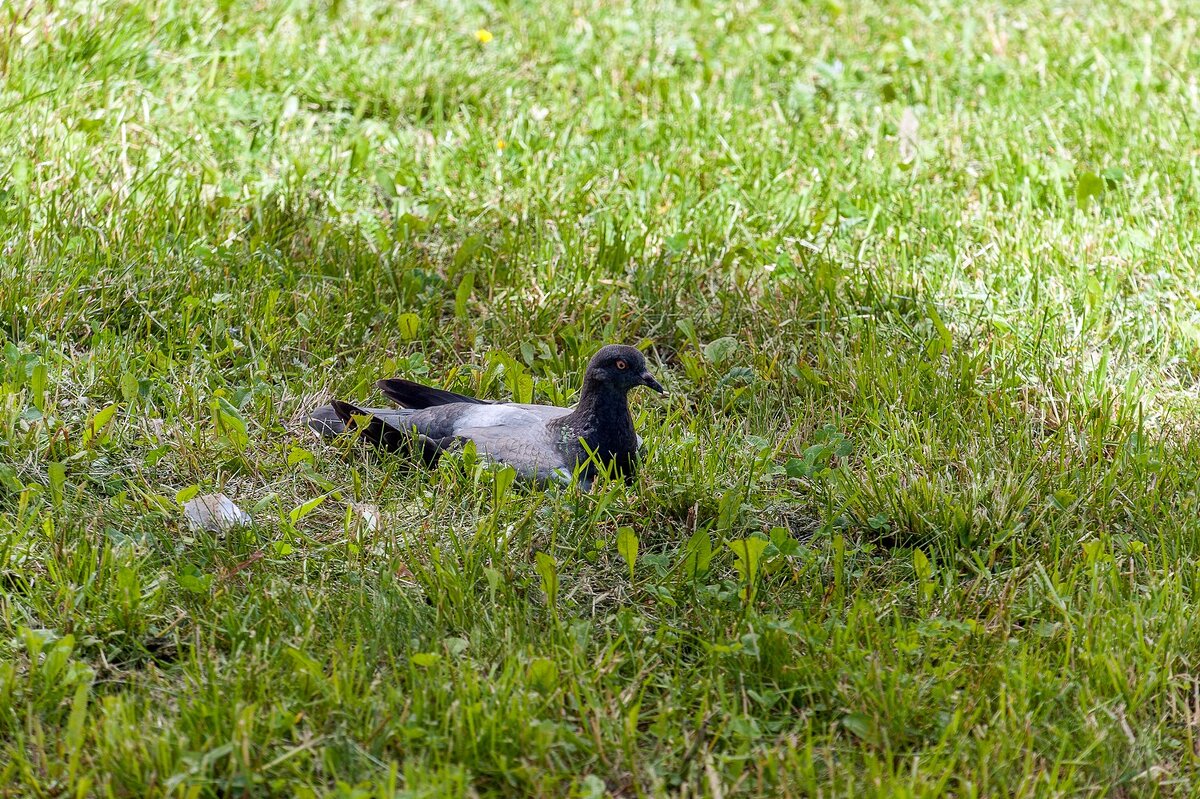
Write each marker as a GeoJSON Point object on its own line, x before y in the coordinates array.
{"type": "Point", "coordinates": [515, 435]}
{"type": "Point", "coordinates": [439, 421]}
{"type": "Point", "coordinates": [530, 451]}
{"type": "Point", "coordinates": [546, 412]}
{"type": "Point", "coordinates": [453, 419]}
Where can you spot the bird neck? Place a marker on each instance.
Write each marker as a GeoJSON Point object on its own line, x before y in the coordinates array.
{"type": "Point", "coordinates": [599, 425]}
{"type": "Point", "coordinates": [601, 417]}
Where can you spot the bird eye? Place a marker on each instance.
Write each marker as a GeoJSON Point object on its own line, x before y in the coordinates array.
{"type": "Point", "coordinates": [621, 364]}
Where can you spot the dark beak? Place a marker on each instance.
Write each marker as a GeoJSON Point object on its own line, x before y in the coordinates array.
{"type": "Point", "coordinates": [648, 380]}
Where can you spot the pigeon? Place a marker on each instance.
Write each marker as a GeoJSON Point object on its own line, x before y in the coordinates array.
{"type": "Point", "coordinates": [541, 442]}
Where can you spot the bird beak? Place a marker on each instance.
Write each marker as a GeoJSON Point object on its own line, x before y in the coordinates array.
{"type": "Point", "coordinates": [649, 381]}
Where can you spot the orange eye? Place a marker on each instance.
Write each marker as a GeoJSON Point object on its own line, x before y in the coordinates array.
{"type": "Point", "coordinates": [621, 364]}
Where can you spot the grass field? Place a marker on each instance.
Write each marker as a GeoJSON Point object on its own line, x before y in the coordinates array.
{"type": "Point", "coordinates": [920, 518]}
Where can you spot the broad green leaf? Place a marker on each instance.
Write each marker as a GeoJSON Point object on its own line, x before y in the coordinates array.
{"type": "Point", "coordinates": [810, 376]}
{"type": "Point", "coordinates": [757, 444]}
{"type": "Point", "coordinates": [360, 148]}
{"type": "Point", "coordinates": [503, 480]}
{"type": "Point", "coordinates": [300, 512]}
{"type": "Point", "coordinates": [386, 184]}
{"type": "Point", "coordinates": [9, 480]}
{"type": "Point", "coordinates": [686, 327]}
{"type": "Point", "coordinates": [1088, 187]}
{"type": "Point", "coordinates": [230, 423]}
{"type": "Point", "coordinates": [1092, 551]}
{"type": "Point", "coordinates": [493, 577]}
{"type": "Point", "coordinates": [1063, 499]}
{"type": "Point", "coordinates": [129, 387]}
{"type": "Point", "coordinates": [463, 295]}
{"type": "Point", "coordinates": [263, 504]}
{"type": "Point", "coordinates": [58, 480]}
{"type": "Point", "coordinates": [299, 455]}
{"type": "Point", "coordinates": [466, 251]}
{"type": "Point", "coordinates": [698, 554]}
{"type": "Point", "coordinates": [727, 509]}
{"type": "Point", "coordinates": [543, 675]}
{"type": "Point", "coordinates": [747, 561]}
{"type": "Point", "coordinates": [797, 468]}
{"type": "Point", "coordinates": [847, 209]}
{"type": "Point", "coordinates": [921, 565]}
{"type": "Point", "coordinates": [627, 545]}
{"type": "Point", "coordinates": [547, 569]}
{"type": "Point", "coordinates": [662, 593]}
{"type": "Point", "coordinates": [859, 725]}
{"type": "Point", "coordinates": [678, 242]}
{"type": "Point", "coordinates": [19, 173]}
{"type": "Point", "coordinates": [306, 664]}
{"type": "Point", "coordinates": [58, 658]}
{"type": "Point", "coordinates": [184, 494]}
{"type": "Point", "coordinates": [35, 640]}
{"type": "Point", "coordinates": [781, 539]}
{"type": "Point", "coordinates": [425, 659]}
{"type": "Point", "coordinates": [719, 351]}
{"type": "Point", "coordinates": [97, 423]}
{"type": "Point", "coordinates": [192, 579]}
{"type": "Point", "coordinates": [408, 325]}
{"type": "Point", "coordinates": [748, 555]}
{"type": "Point", "coordinates": [411, 223]}
{"type": "Point", "coordinates": [37, 386]}
{"type": "Point", "coordinates": [524, 387]}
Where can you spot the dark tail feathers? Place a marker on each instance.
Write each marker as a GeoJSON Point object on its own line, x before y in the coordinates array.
{"type": "Point", "coordinates": [408, 394]}
{"type": "Point", "coordinates": [386, 435]}
{"type": "Point", "coordinates": [325, 420]}
{"type": "Point", "coordinates": [377, 431]}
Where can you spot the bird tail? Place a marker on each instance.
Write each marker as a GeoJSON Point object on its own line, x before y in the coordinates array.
{"type": "Point", "coordinates": [326, 422]}
{"type": "Point", "coordinates": [408, 394]}
{"type": "Point", "coordinates": [383, 427]}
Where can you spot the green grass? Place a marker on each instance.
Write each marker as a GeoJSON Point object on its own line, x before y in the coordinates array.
{"type": "Point", "coordinates": [922, 279]}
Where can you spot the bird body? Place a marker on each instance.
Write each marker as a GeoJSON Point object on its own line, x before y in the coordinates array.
{"type": "Point", "coordinates": [541, 442]}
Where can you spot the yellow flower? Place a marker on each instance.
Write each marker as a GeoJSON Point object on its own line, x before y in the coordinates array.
{"type": "Point", "coordinates": [483, 36]}
{"type": "Point", "coordinates": [501, 144]}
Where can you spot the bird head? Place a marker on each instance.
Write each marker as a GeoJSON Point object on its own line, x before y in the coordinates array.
{"type": "Point", "coordinates": [623, 368]}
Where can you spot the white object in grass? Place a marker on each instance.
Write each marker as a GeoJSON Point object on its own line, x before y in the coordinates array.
{"type": "Point", "coordinates": [215, 513]}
